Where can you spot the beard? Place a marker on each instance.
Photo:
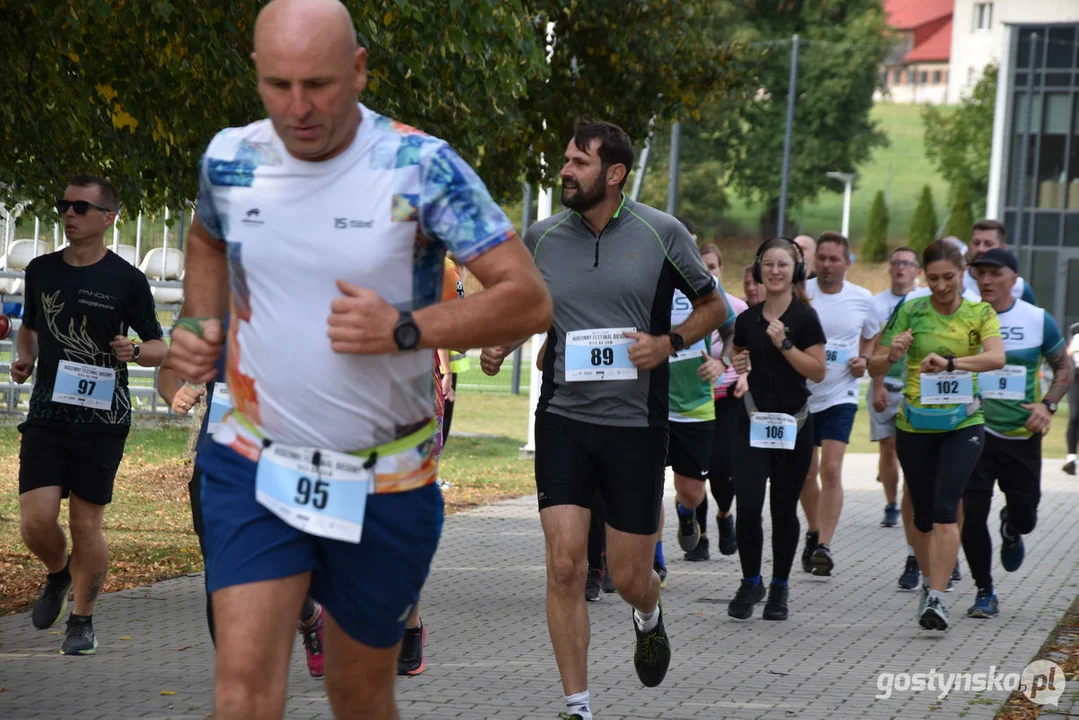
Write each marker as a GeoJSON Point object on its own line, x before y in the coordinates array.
{"type": "Point", "coordinates": [585, 198]}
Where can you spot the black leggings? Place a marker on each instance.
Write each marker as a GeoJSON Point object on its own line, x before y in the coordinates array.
{"type": "Point", "coordinates": [1017, 466]}
{"type": "Point", "coordinates": [721, 470]}
{"type": "Point", "coordinates": [787, 470]}
{"type": "Point", "coordinates": [597, 534]}
{"type": "Point", "coordinates": [195, 489]}
{"type": "Point", "coordinates": [1073, 414]}
{"type": "Point", "coordinates": [937, 467]}
{"type": "Point", "coordinates": [447, 414]}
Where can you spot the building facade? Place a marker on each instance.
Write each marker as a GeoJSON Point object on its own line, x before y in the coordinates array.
{"type": "Point", "coordinates": [1034, 170]}
{"type": "Point", "coordinates": [916, 71]}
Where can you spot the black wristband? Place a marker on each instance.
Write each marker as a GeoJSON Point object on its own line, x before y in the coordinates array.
{"type": "Point", "coordinates": [951, 363]}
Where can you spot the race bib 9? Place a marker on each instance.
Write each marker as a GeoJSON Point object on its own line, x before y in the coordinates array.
{"type": "Point", "coordinates": [601, 354]}
{"type": "Point", "coordinates": [84, 385]}
{"type": "Point", "coordinates": [1008, 383]}
{"type": "Point", "coordinates": [947, 388]}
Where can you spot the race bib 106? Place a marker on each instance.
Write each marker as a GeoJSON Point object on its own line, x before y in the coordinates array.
{"type": "Point", "coordinates": [1008, 383]}
{"type": "Point", "coordinates": [947, 388]}
{"type": "Point", "coordinates": [320, 492]}
{"type": "Point", "coordinates": [84, 385]}
{"type": "Point", "coordinates": [772, 431]}
{"type": "Point", "coordinates": [601, 354]}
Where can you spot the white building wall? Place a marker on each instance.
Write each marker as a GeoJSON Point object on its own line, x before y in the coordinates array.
{"type": "Point", "coordinates": [973, 49]}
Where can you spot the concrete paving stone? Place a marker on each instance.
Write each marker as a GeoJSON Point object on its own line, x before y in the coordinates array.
{"type": "Point", "coordinates": [489, 652]}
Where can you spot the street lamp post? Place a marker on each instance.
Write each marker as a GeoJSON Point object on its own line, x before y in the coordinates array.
{"type": "Point", "coordinates": [848, 180]}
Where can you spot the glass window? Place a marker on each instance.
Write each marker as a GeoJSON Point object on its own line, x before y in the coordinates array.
{"type": "Point", "coordinates": [1073, 169]}
{"type": "Point", "coordinates": [1071, 232]}
{"type": "Point", "coordinates": [936, 77]}
{"type": "Point", "coordinates": [1020, 135]}
{"type": "Point", "coordinates": [897, 77]}
{"type": "Point", "coordinates": [1047, 229]}
{"type": "Point", "coordinates": [910, 77]}
{"type": "Point", "coordinates": [983, 16]}
{"type": "Point", "coordinates": [925, 77]}
{"type": "Point", "coordinates": [1052, 170]}
{"type": "Point", "coordinates": [884, 78]}
{"type": "Point", "coordinates": [1023, 58]}
{"type": "Point", "coordinates": [1060, 52]}
{"type": "Point", "coordinates": [1043, 274]}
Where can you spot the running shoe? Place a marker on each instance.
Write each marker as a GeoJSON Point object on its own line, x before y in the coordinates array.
{"type": "Point", "coordinates": [79, 638]}
{"type": "Point", "coordinates": [313, 636]}
{"type": "Point", "coordinates": [748, 595]}
{"type": "Point", "coordinates": [891, 515]}
{"type": "Point", "coordinates": [567, 716]}
{"type": "Point", "coordinates": [661, 570]}
{"type": "Point", "coordinates": [807, 551]}
{"type": "Point", "coordinates": [923, 601]}
{"type": "Point", "coordinates": [822, 562]}
{"type": "Point", "coordinates": [935, 616]}
{"type": "Point", "coordinates": [1069, 467]}
{"type": "Point", "coordinates": [689, 530]}
{"type": "Point", "coordinates": [728, 536]}
{"type": "Point", "coordinates": [912, 574]}
{"type": "Point", "coordinates": [410, 659]}
{"type": "Point", "coordinates": [985, 604]}
{"type": "Point", "coordinates": [776, 606]}
{"type": "Point", "coordinates": [1012, 550]}
{"type": "Point", "coordinates": [592, 584]}
{"type": "Point", "coordinates": [699, 553]}
{"type": "Point", "coordinates": [51, 604]}
{"type": "Point", "coordinates": [606, 583]}
{"type": "Point", "coordinates": [651, 652]}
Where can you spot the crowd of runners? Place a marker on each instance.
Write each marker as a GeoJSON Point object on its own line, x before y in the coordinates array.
{"type": "Point", "coordinates": [315, 494]}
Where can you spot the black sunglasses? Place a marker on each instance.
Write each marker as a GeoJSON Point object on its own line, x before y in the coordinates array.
{"type": "Point", "coordinates": [81, 207]}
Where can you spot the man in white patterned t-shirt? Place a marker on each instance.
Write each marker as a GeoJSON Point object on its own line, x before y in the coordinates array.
{"type": "Point", "coordinates": [329, 223]}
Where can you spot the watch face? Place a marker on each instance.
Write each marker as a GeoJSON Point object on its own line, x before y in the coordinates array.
{"type": "Point", "coordinates": [406, 336]}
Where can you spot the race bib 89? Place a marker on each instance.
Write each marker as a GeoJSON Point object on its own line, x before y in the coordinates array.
{"type": "Point", "coordinates": [601, 354]}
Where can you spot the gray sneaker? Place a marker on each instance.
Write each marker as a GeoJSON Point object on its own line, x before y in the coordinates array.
{"type": "Point", "coordinates": [935, 616]}
{"type": "Point", "coordinates": [923, 602]}
{"type": "Point", "coordinates": [80, 638]}
{"type": "Point", "coordinates": [689, 530]}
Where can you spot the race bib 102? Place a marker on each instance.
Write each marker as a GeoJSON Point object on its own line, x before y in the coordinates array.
{"type": "Point", "coordinates": [947, 388]}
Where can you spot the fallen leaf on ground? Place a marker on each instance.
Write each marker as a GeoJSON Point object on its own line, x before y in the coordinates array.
{"type": "Point", "coordinates": [168, 692]}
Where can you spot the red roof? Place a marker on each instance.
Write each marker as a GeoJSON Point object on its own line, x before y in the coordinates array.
{"type": "Point", "coordinates": [909, 14]}
{"type": "Point", "coordinates": [937, 46]}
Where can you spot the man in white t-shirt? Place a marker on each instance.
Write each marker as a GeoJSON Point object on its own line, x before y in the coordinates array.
{"type": "Point", "coordinates": [984, 236]}
{"type": "Point", "coordinates": [329, 223]}
{"type": "Point", "coordinates": [850, 323]}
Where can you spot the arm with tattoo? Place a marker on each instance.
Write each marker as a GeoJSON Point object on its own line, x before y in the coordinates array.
{"type": "Point", "coordinates": [1062, 375]}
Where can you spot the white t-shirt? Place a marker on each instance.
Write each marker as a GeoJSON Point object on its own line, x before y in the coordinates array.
{"type": "Point", "coordinates": [971, 291]}
{"type": "Point", "coordinates": [972, 295]}
{"type": "Point", "coordinates": [381, 215]}
{"type": "Point", "coordinates": [846, 316]}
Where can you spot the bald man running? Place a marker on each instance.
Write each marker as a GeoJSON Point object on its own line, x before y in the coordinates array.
{"type": "Point", "coordinates": [809, 252]}
{"type": "Point", "coordinates": [323, 480]}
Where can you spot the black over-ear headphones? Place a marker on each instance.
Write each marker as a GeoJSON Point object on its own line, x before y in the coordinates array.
{"type": "Point", "coordinates": [799, 265]}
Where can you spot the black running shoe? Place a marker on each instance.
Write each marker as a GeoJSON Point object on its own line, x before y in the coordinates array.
{"type": "Point", "coordinates": [728, 536]}
{"type": "Point", "coordinates": [1069, 467]}
{"type": "Point", "coordinates": [935, 616]}
{"type": "Point", "coordinates": [912, 574]}
{"type": "Point", "coordinates": [79, 638]}
{"type": "Point", "coordinates": [811, 544]}
{"type": "Point", "coordinates": [52, 602]}
{"type": "Point", "coordinates": [592, 584]}
{"type": "Point", "coordinates": [699, 553]}
{"type": "Point", "coordinates": [891, 515]}
{"type": "Point", "coordinates": [776, 606]}
{"type": "Point", "coordinates": [689, 530]}
{"type": "Point", "coordinates": [652, 653]}
{"type": "Point", "coordinates": [1012, 550]}
{"type": "Point", "coordinates": [410, 657]}
{"type": "Point", "coordinates": [822, 562]}
{"type": "Point", "coordinates": [748, 595]}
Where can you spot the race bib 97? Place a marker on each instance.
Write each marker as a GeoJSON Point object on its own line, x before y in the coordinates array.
{"type": "Point", "coordinates": [84, 385]}
{"type": "Point", "coordinates": [601, 354]}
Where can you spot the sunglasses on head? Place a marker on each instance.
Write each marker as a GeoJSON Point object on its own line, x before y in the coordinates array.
{"type": "Point", "coordinates": [81, 207]}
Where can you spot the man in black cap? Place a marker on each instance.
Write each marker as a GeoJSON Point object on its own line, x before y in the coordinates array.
{"type": "Point", "coordinates": [1016, 418]}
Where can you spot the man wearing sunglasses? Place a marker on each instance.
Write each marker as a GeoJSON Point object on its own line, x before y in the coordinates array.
{"type": "Point", "coordinates": [80, 302]}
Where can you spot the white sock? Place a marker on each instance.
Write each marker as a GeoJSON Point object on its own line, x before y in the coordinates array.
{"type": "Point", "coordinates": [910, 551]}
{"type": "Point", "coordinates": [936, 594]}
{"type": "Point", "coordinates": [578, 704]}
{"type": "Point", "coordinates": [646, 622]}
{"type": "Point", "coordinates": [1071, 457]}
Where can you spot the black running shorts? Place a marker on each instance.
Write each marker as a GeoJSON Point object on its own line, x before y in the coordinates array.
{"type": "Point", "coordinates": [80, 459]}
{"type": "Point", "coordinates": [625, 465]}
{"type": "Point", "coordinates": [689, 452]}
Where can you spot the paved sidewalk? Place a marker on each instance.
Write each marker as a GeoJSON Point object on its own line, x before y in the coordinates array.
{"type": "Point", "coordinates": [489, 655]}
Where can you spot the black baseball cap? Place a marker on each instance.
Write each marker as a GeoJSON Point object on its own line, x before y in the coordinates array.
{"type": "Point", "coordinates": [998, 257]}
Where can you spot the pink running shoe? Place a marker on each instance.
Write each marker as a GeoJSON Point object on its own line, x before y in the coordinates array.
{"type": "Point", "coordinates": [312, 644]}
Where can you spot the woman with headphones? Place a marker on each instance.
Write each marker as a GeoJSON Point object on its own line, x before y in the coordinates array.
{"type": "Point", "coordinates": [947, 340]}
{"type": "Point", "coordinates": [782, 341]}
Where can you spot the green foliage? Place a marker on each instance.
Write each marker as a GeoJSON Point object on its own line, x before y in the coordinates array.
{"type": "Point", "coordinates": [842, 43]}
{"type": "Point", "coordinates": [923, 226]}
{"type": "Point", "coordinates": [135, 90]}
{"type": "Point", "coordinates": [959, 141]}
{"type": "Point", "coordinates": [961, 219]}
{"type": "Point", "coordinates": [875, 247]}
